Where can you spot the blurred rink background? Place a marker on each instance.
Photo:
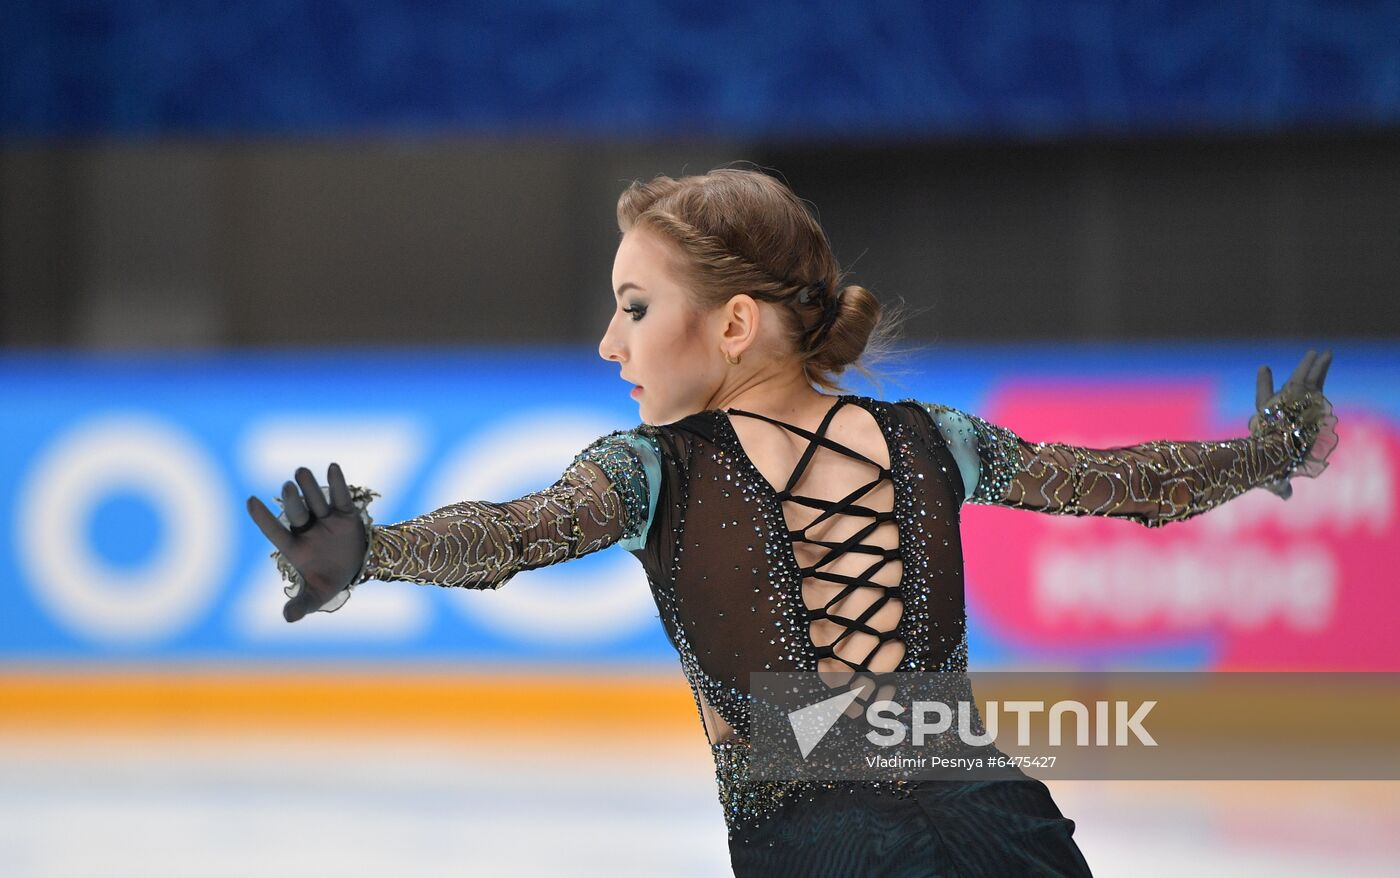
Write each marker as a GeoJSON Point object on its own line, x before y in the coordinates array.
{"type": "Point", "coordinates": [239, 238]}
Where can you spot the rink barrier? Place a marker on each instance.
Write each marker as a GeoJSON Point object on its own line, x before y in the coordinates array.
{"type": "Point", "coordinates": [524, 704]}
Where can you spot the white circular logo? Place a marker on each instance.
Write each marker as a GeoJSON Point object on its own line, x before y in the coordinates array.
{"type": "Point", "coordinates": [72, 476]}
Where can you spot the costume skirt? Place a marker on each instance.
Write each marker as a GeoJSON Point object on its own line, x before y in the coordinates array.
{"type": "Point", "coordinates": [948, 829]}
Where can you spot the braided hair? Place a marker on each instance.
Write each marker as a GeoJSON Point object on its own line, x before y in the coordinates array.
{"type": "Point", "coordinates": [744, 231]}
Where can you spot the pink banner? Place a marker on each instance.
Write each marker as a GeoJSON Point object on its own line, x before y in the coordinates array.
{"type": "Point", "coordinates": [1258, 583]}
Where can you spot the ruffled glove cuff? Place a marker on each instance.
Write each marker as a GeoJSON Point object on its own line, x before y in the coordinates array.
{"type": "Point", "coordinates": [1309, 428]}
{"type": "Point", "coordinates": [361, 498]}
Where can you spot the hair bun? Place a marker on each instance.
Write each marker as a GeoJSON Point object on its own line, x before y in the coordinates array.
{"type": "Point", "coordinates": [736, 230]}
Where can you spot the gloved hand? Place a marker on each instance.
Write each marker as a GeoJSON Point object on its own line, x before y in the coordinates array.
{"type": "Point", "coordinates": [326, 542]}
{"type": "Point", "coordinates": [1304, 386]}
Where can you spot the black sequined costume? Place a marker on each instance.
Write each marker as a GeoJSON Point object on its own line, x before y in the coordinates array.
{"type": "Point", "coordinates": [721, 547]}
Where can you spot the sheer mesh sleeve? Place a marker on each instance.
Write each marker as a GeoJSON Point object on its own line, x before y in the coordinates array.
{"type": "Point", "coordinates": [1154, 483]}
{"type": "Point", "coordinates": [606, 495]}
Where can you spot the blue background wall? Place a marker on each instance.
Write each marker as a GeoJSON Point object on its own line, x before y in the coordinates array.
{"type": "Point", "coordinates": [637, 69]}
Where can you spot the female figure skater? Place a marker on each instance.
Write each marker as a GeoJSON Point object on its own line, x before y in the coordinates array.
{"type": "Point", "coordinates": [783, 528]}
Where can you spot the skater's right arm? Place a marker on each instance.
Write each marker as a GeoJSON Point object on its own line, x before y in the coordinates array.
{"type": "Point", "coordinates": [607, 495]}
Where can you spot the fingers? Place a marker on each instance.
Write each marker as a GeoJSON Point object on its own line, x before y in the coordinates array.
{"type": "Point", "coordinates": [1319, 370]}
{"type": "Point", "coordinates": [1300, 372]}
{"type": "Point", "coordinates": [297, 607]}
{"type": "Point", "coordinates": [278, 535]}
{"type": "Point", "coordinates": [1263, 387]}
{"type": "Point", "coordinates": [340, 492]}
{"type": "Point", "coordinates": [315, 497]}
{"type": "Point", "coordinates": [295, 509]}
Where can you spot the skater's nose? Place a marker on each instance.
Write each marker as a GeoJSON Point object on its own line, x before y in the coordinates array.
{"type": "Point", "coordinates": [609, 348]}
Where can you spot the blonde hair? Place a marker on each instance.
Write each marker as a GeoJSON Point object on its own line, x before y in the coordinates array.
{"type": "Point", "coordinates": [744, 231]}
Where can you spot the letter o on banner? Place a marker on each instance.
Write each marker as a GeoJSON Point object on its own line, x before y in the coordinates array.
{"type": "Point", "coordinates": [68, 480]}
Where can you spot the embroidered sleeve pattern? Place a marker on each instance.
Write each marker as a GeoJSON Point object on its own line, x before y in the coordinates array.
{"type": "Point", "coordinates": [1153, 483]}
{"type": "Point", "coordinates": [601, 498]}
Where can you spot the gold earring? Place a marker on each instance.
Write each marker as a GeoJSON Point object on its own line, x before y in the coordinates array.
{"type": "Point", "coordinates": [734, 361]}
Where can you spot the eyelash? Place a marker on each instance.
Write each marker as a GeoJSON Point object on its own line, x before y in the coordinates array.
{"type": "Point", "coordinates": [637, 311]}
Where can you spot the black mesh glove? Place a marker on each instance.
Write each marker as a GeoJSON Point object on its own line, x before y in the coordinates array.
{"type": "Point", "coordinates": [1300, 404]}
{"type": "Point", "coordinates": [326, 542]}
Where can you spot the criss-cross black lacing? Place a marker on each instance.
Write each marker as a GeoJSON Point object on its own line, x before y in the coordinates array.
{"type": "Point", "coordinates": [845, 506]}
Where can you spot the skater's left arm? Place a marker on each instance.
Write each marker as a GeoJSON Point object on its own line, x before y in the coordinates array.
{"type": "Point", "coordinates": [1152, 483]}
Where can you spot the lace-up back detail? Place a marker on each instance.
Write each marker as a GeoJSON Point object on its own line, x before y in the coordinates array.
{"type": "Point", "coordinates": [851, 586]}
{"type": "Point", "coordinates": [831, 548]}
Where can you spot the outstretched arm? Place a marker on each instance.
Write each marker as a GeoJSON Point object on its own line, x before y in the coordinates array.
{"type": "Point", "coordinates": [602, 498]}
{"type": "Point", "coordinates": [1153, 483]}
{"type": "Point", "coordinates": [328, 543]}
